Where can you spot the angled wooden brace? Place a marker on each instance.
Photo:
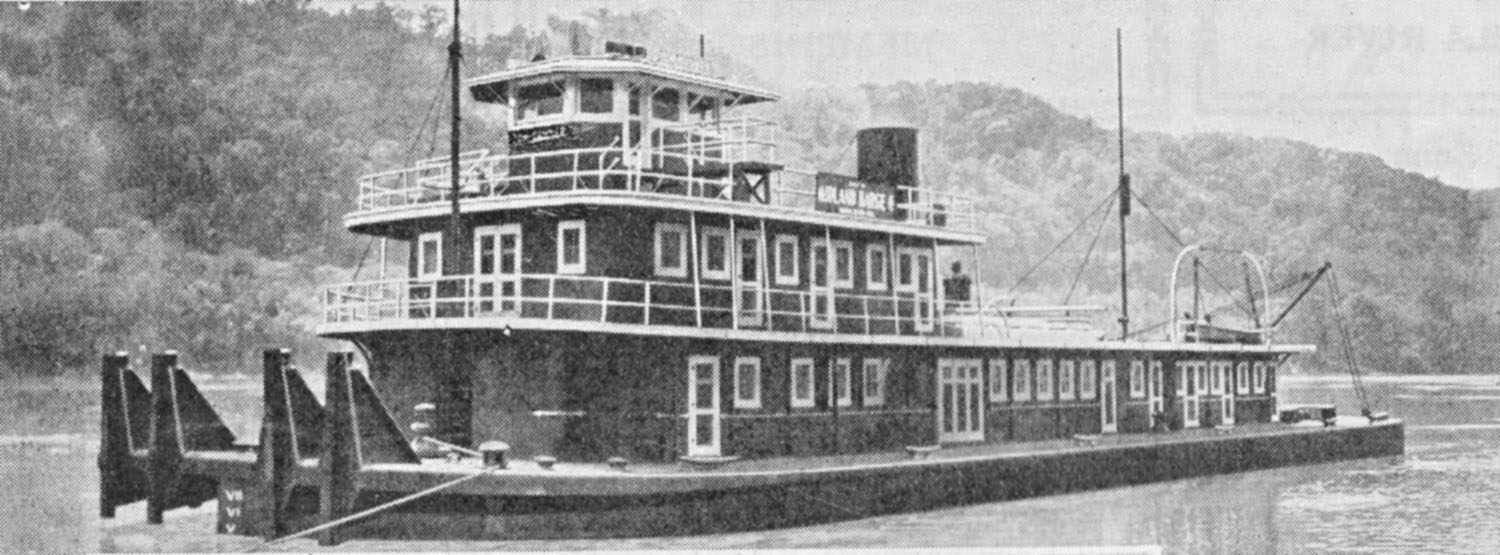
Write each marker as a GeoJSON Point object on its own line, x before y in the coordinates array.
{"type": "Point", "coordinates": [358, 430]}
{"type": "Point", "coordinates": [125, 424]}
{"type": "Point", "coordinates": [181, 420]}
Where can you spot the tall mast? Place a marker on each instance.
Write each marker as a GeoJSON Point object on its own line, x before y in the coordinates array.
{"type": "Point", "coordinates": [455, 53]}
{"type": "Point", "coordinates": [1124, 189]}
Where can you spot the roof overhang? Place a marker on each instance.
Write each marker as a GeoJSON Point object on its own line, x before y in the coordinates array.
{"type": "Point", "coordinates": [495, 86]}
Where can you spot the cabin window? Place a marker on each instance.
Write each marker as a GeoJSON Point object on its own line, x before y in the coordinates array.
{"type": "Point", "coordinates": [570, 247]}
{"type": "Point", "coordinates": [542, 99]}
{"type": "Point", "coordinates": [1186, 376]}
{"type": "Point", "coordinates": [1086, 382]}
{"type": "Point", "coordinates": [786, 260]}
{"type": "Point", "coordinates": [802, 382]}
{"type": "Point", "coordinates": [1137, 379]}
{"type": "Point", "coordinates": [1155, 378]}
{"type": "Point", "coordinates": [839, 376]}
{"type": "Point", "coordinates": [1268, 380]}
{"type": "Point", "coordinates": [633, 100]}
{"type": "Point", "coordinates": [749, 261]}
{"type": "Point", "coordinates": [1258, 379]}
{"type": "Point", "coordinates": [1044, 380]}
{"type": "Point", "coordinates": [924, 272]}
{"type": "Point", "coordinates": [1066, 370]}
{"type": "Point", "coordinates": [1022, 377]}
{"type": "Point", "coordinates": [1242, 378]}
{"type": "Point", "coordinates": [701, 105]}
{"type": "Point", "coordinates": [843, 264]}
{"type": "Point", "coordinates": [747, 383]}
{"type": "Point", "coordinates": [914, 270]}
{"type": "Point", "coordinates": [430, 254]}
{"type": "Point", "coordinates": [1217, 379]}
{"type": "Point", "coordinates": [875, 376]}
{"type": "Point", "coordinates": [999, 386]}
{"type": "Point", "coordinates": [716, 253]}
{"type": "Point", "coordinates": [875, 261]}
{"type": "Point", "coordinates": [671, 250]}
{"type": "Point", "coordinates": [666, 105]}
{"type": "Point", "coordinates": [596, 96]}
{"type": "Point", "coordinates": [903, 271]}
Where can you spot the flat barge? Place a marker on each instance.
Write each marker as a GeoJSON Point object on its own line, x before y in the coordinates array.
{"type": "Point", "coordinates": [637, 321]}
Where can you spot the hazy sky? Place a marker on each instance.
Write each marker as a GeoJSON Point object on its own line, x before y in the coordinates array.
{"type": "Point", "coordinates": [1416, 83]}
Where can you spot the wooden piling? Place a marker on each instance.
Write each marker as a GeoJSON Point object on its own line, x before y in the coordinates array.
{"type": "Point", "coordinates": [165, 458]}
{"type": "Point", "coordinates": [340, 458]}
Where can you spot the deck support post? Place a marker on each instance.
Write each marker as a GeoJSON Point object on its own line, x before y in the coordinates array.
{"type": "Point", "coordinates": [339, 462]}
{"type": "Point", "coordinates": [277, 454]}
{"type": "Point", "coordinates": [118, 482]}
{"type": "Point", "coordinates": [165, 458]}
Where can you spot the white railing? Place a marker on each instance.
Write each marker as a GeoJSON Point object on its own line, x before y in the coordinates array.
{"type": "Point", "coordinates": [742, 139]}
{"type": "Point", "coordinates": [616, 168]}
{"type": "Point", "coordinates": [660, 303]}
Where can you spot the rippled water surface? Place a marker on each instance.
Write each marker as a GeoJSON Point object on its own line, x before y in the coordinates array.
{"type": "Point", "coordinates": [1442, 497]}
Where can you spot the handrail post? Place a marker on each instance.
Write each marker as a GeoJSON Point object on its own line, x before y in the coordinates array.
{"type": "Point", "coordinates": [551, 295]}
{"type": "Point", "coordinates": [604, 303]}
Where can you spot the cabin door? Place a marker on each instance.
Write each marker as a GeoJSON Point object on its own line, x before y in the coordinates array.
{"type": "Point", "coordinates": [820, 301]}
{"type": "Point", "coordinates": [497, 268]}
{"type": "Point", "coordinates": [704, 434]}
{"type": "Point", "coordinates": [1154, 391]}
{"type": "Point", "coordinates": [747, 285]}
{"type": "Point", "coordinates": [926, 285]}
{"type": "Point", "coordinates": [1109, 417]}
{"type": "Point", "coordinates": [1226, 401]}
{"type": "Point", "coordinates": [1188, 385]}
{"type": "Point", "coordinates": [960, 400]}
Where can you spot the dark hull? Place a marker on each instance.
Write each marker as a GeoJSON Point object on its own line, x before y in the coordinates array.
{"type": "Point", "coordinates": [686, 502]}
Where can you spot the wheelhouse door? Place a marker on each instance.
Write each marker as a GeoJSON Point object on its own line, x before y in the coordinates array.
{"type": "Point", "coordinates": [704, 434]}
{"type": "Point", "coordinates": [747, 284]}
{"type": "Point", "coordinates": [1109, 417]}
{"type": "Point", "coordinates": [497, 268]}
{"type": "Point", "coordinates": [820, 291]}
{"type": "Point", "coordinates": [960, 400]}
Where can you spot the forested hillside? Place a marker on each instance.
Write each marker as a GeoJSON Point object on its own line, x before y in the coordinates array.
{"type": "Point", "coordinates": [173, 176]}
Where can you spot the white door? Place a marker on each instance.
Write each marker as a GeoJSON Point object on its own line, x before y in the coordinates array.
{"type": "Point", "coordinates": [960, 400]}
{"type": "Point", "coordinates": [703, 407]}
{"type": "Point", "coordinates": [1190, 381]}
{"type": "Point", "coordinates": [497, 268]}
{"type": "Point", "coordinates": [1226, 401]}
{"type": "Point", "coordinates": [747, 286]}
{"type": "Point", "coordinates": [1109, 418]}
{"type": "Point", "coordinates": [926, 285]}
{"type": "Point", "coordinates": [820, 300]}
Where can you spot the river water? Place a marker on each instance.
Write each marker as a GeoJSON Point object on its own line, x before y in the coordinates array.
{"type": "Point", "coordinates": [1442, 497]}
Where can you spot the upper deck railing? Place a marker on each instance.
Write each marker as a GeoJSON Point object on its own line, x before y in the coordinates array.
{"type": "Point", "coordinates": [586, 300]}
{"type": "Point", "coordinates": [702, 162]}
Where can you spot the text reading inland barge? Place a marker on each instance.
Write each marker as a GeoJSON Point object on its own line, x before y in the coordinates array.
{"type": "Point", "coordinates": [632, 319]}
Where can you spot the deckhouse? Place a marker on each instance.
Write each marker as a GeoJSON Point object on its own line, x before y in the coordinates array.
{"type": "Point", "coordinates": [643, 277]}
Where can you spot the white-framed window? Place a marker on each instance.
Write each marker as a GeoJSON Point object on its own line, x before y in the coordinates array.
{"type": "Point", "coordinates": [671, 250]}
{"type": "Point", "coordinates": [914, 269]}
{"type": "Point", "coordinates": [1156, 377]}
{"type": "Point", "coordinates": [1268, 380]}
{"type": "Point", "coordinates": [999, 385]}
{"type": "Point", "coordinates": [843, 264]}
{"type": "Point", "coordinates": [1022, 380]}
{"type": "Point", "coordinates": [876, 370]}
{"type": "Point", "coordinates": [802, 383]}
{"type": "Point", "coordinates": [1044, 380]}
{"type": "Point", "coordinates": [596, 96]}
{"type": "Point", "coordinates": [1257, 378]}
{"type": "Point", "coordinates": [786, 260]}
{"type": "Point", "coordinates": [876, 260]}
{"type": "Point", "coordinates": [1137, 379]}
{"type": "Point", "coordinates": [747, 382]}
{"type": "Point", "coordinates": [715, 257]}
{"type": "Point", "coordinates": [430, 254]}
{"type": "Point", "coordinates": [1066, 371]}
{"type": "Point", "coordinates": [1220, 372]}
{"type": "Point", "coordinates": [839, 376]}
{"type": "Point", "coordinates": [1242, 378]}
{"type": "Point", "coordinates": [1087, 370]}
{"type": "Point", "coordinates": [1184, 375]}
{"type": "Point", "coordinates": [572, 250]}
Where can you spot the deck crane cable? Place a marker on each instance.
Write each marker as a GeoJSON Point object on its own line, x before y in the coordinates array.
{"type": "Point", "coordinates": [1087, 256]}
{"type": "Point", "coordinates": [1336, 299]}
{"type": "Point", "coordinates": [1275, 289]}
{"type": "Point", "coordinates": [1140, 199]}
{"type": "Point", "coordinates": [1107, 200]}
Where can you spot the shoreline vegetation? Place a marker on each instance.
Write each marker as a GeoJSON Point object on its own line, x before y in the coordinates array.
{"type": "Point", "coordinates": [175, 175]}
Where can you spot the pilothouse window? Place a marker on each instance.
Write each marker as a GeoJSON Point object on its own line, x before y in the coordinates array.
{"type": "Point", "coordinates": [543, 99]}
{"type": "Point", "coordinates": [666, 105]}
{"type": "Point", "coordinates": [596, 96]}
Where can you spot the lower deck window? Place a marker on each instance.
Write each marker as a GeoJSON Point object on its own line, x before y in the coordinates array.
{"type": "Point", "coordinates": [840, 374]}
{"type": "Point", "coordinates": [1086, 382]}
{"type": "Point", "coordinates": [1044, 380]}
{"type": "Point", "coordinates": [802, 382]}
{"type": "Point", "coordinates": [570, 247]}
{"type": "Point", "coordinates": [1065, 372]}
{"type": "Point", "coordinates": [875, 378]}
{"type": "Point", "coordinates": [430, 254]}
{"type": "Point", "coordinates": [1022, 376]}
{"type": "Point", "coordinates": [999, 386]}
{"type": "Point", "coordinates": [747, 383]}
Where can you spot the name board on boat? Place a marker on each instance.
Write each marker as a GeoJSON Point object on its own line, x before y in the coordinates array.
{"type": "Point", "coordinates": [846, 195]}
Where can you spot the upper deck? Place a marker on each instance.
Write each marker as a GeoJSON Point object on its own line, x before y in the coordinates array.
{"type": "Point", "coordinates": [624, 131]}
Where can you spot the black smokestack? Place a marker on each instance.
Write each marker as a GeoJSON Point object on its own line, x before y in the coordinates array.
{"type": "Point", "coordinates": [888, 155]}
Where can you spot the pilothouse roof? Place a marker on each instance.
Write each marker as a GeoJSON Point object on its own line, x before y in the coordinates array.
{"type": "Point", "coordinates": [495, 86]}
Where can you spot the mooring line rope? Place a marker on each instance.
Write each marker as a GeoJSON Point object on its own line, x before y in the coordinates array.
{"type": "Point", "coordinates": [486, 471]}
